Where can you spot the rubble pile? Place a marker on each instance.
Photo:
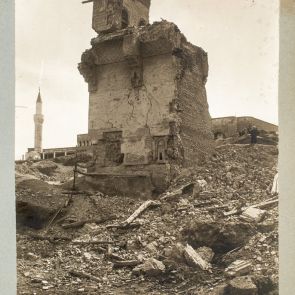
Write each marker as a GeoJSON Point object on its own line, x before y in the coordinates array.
{"type": "Point", "coordinates": [215, 231]}
{"type": "Point", "coordinates": [70, 160]}
{"type": "Point", "coordinates": [264, 137]}
{"type": "Point", "coordinates": [46, 170]}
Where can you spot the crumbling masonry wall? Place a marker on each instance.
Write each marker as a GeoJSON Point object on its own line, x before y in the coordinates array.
{"type": "Point", "coordinates": [139, 113]}
{"type": "Point", "coordinates": [148, 110]}
{"type": "Point", "coordinates": [195, 120]}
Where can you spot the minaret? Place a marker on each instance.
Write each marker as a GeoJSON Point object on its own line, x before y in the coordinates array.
{"type": "Point", "coordinates": [38, 119]}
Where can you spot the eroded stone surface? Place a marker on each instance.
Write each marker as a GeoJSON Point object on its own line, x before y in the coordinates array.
{"type": "Point", "coordinates": [148, 108]}
{"type": "Point", "coordinates": [242, 286]}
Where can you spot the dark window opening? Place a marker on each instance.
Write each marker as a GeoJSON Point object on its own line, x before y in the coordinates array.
{"type": "Point", "coordinates": [142, 23]}
{"type": "Point", "coordinates": [161, 150]}
{"type": "Point", "coordinates": [219, 135]}
{"type": "Point", "coordinates": [113, 154]}
{"type": "Point", "coordinates": [125, 18]}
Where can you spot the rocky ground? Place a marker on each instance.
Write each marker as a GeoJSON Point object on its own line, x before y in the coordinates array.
{"type": "Point", "coordinates": [200, 237]}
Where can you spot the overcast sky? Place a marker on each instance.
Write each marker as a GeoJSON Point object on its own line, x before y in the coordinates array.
{"type": "Point", "coordinates": [240, 36]}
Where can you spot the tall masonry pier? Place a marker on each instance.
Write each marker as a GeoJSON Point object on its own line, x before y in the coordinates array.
{"type": "Point", "coordinates": [148, 110]}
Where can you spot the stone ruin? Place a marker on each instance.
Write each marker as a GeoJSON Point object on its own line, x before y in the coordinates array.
{"type": "Point", "coordinates": [148, 110]}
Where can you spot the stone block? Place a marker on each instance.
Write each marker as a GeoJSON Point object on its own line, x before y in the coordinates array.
{"type": "Point", "coordinates": [253, 214]}
{"type": "Point", "coordinates": [152, 267]}
{"type": "Point", "coordinates": [206, 253]}
{"type": "Point", "coordinates": [238, 268]}
{"type": "Point", "coordinates": [242, 286]}
{"type": "Point", "coordinates": [194, 259]}
{"type": "Point", "coordinates": [152, 247]}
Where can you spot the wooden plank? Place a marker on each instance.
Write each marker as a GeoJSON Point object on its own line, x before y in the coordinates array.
{"type": "Point", "coordinates": [261, 205]}
{"type": "Point", "coordinates": [139, 211]}
{"type": "Point", "coordinates": [266, 204]}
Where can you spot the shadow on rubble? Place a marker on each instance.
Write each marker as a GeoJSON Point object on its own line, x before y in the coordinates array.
{"type": "Point", "coordinates": [220, 236]}
{"type": "Point", "coordinates": [32, 216]}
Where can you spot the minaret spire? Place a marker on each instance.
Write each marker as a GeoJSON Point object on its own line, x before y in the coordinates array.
{"type": "Point", "coordinates": [39, 96]}
{"type": "Point", "coordinates": [38, 119]}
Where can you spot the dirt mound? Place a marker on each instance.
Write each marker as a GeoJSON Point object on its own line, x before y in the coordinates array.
{"type": "Point", "coordinates": [70, 160]}
{"type": "Point", "coordinates": [45, 170]}
{"type": "Point", "coordinates": [45, 167]}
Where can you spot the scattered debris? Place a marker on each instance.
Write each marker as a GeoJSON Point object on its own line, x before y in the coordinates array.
{"type": "Point", "coordinates": [83, 222]}
{"type": "Point", "coordinates": [275, 186]}
{"type": "Point", "coordinates": [83, 251]}
{"type": "Point", "coordinates": [253, 214]}
{"type": "Point", "coordinates": [152, 268]}
{"type": "Point", "coordinates": [206, 253]}
{"type": "Point", "coordinates": [85, 275]}
{"type": "Point", "coordinates": [242, 286]}
{"type": "Point", "coordinates": [178, 192]}
{"type": "Point", "coordinates": [139, 211]}
{"type": "Point", "coordinates": [194, 259]}
{"type": "Point", "coordinates": [262, 205]}
{"type": "Point", "coordinates": [239, 268]}
{"type": "Point", "coordinates": [127, 263]}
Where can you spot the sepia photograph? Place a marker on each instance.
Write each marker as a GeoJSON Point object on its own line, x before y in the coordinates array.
{"type": "Point", "coordinates": [146, 147]}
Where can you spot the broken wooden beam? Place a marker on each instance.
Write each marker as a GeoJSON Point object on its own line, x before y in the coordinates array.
{"type": "Point", "coordinates": [122, 226]}
{"type": "Point", "coordinates": [177, 192]}
{"type": "Point", "coordinates": [139, 211]}
{"type": "Point", "coordinates": [51, 239]}
{"type": "Point", "coordinates": [93, 242]}
{"type": "Point", "coordinates": [275, 185]}
{"type": "Point", "coordinates": [266, 204]}
{"type": "Point", "coordinates": [72, 193]}
{"type": "Point", "coordinates": [261, 205]}
{"type": "Point", "coordinates": [86, 1]}
{"type": "Point", "coordinates": [115, 256]}
{"type": "Point", "coordinates": [65, 205]}
{"type": "Point", "coordinates": [83, 222]}
{"type": "Point", "coordinates": [215, 207]}
{"type": "Point", "coordinates": [84, 275]}
{"type": "Point", "coordinates": [125, 263]}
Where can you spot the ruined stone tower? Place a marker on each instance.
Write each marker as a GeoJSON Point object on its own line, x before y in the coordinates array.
{"type": "Point", "coordinates": [111, 15]}
{"type": "Point", "coordinates": [38, 119]}
{"type": "Point", "coordinates": [148, 111]}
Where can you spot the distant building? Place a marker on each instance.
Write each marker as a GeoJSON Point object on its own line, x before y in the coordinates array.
{"type": "Point", "coordinates": [225, 127]}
